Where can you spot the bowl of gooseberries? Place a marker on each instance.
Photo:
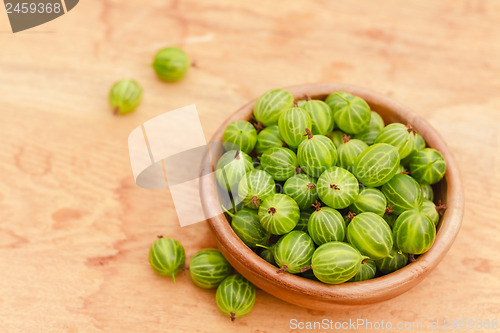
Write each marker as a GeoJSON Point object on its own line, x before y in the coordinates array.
{"type": "Point", "coordinates": [331, 196]}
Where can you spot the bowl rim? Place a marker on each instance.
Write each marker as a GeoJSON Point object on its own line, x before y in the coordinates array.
{"type": "Point", "coordinates": [352, 293]}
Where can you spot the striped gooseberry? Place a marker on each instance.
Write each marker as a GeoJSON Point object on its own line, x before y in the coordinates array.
{"type": "Point", "coordinates": [293, 252]}
{"type": "Point", "coordinates": [292, 125]}
{"type": "Point", "coordinates": [235, 296]}
{"type": "Point", "coordinates": [336, 262]}
{"type": "Point", "coordinates": [241, 135]}
{"type": "Point", "coordinates": [281, 163]}
{"type": "Point", "coordinates": [376, 125]}
{"type": "Point", "coordinates": [316, 154]}
{"type": "Point", "coordinates": [394, 261]}
{"type": "Point", "coordinates": [366, 272]}
{"type": "Point", "coordinates": [246, 225]}
{"type": "Point", "coordinates": [349, 151]}
{"type": "Point", "coordinates": [377, 164]}
{"type": "Point", "coordinates": [232, 167]}
{"type": "Point", "coordinates": [337, 188]}
{"type": "Point", "coordinates": [351, 113]}
{"type": "Point", "coordinates": [414, 232]}
{"type": "Point", "coordinates": [301, 188]}
{"type": "Point", "coordinates": [371, 235]}
{"type": "Point", "coordinates": [270, 105]}
{"type": "Point", "coordinates": [326, 225]}
{"type": "Point", "coordinates": [279, 214]}
{"type": "Point", "coordinates": [167, 256]}
{"type": "Point", "coordinates": [400, 136]}
{"type": "Point", "coordinates": [402, 193]}
{"type": "Point", "coordinates": [320, 114]}
{"type": "Point", "coordinates": [208, 268]}
{"type": "Point", "coordinates": [269, 137]}
{"type": "Point", "coordinates": [254, 187]}
{"type": "Point", "coordinates": [369, 200]}
{"type": "Point", "coordinates": [427, 166]}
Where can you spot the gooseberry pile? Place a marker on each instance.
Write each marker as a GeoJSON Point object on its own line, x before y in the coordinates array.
{"type": "Point", "coordinates": [324, 189]}
{"type": "Point", "coordinates": [235, 295]}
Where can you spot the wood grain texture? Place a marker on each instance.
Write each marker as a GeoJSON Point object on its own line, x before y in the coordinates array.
{"type": "Point", "coordinates": [75, 230]}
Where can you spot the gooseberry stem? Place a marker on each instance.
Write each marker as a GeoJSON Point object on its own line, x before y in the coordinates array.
{"type": "Point", "coordinates": [410, 128]}
{"type": "Point", "coordinates": [255, 201]}
{"type": "Point", "coordinates": [237, 155]}
{"type": "Point", "coordinates": [335, 187]}
{"type": "Point", "coordinates": [411, 258]}
{"type": "Point", "coordinates": [305, 269]}
{"type": "Point", "coordinates": [159, 236]}
{"type": "Point", "coordinates": [350, 215]}
{"type": "Point", "coordinates": [317, 205]}
{"type": "Point", "coordinates": [441, 208]}
{"type": "Point", "coordinates": [272, 211]}
{"type": "Point", "coordinates": [233, 316]}
{"type": "Point", "coordinates": [282, 269]}
{"type": "Point", "coordinates": [389, 209]}
{"type": "Point", "coordinates": [346, 138]}
{"type": "Point", "coordinates": [308, 134]}
{"type": "Point", "coordinates": [263, 246]}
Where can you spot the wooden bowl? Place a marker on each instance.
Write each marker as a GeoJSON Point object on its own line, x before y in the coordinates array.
{"type": "Point", "coordinates": [346, 296]}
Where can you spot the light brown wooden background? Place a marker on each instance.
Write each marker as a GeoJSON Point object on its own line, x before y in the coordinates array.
{"type": "Point", "coordinates": [74, 228]}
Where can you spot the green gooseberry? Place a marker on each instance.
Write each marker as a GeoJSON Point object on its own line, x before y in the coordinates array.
{"type": "Point", "coordinates": [301, 188]}
{"type": "Point", "coordinates": [232, 167]}
{"type": "Point", "coordinates": [414, 232]}
{"type": "Point", "coordinates": [321, 116]}
{"type": "Point", "coordinates": [235, 296]}
{"type": "Point", "coordinates": [281, 163]}
{"type": "Point", "coordinates": [369, 200]}
{"type": "Point", "coordinates": [254, 187]}
{"type": "Point", "coordinates": [336, 262]}
{"type": "Point", "coordinates": [269, 137]}
{"type": "Point", "coordinates": [376, 125]}
{"type": "Point", "coordinates": [125, 96]}
{"type": "Point", "coordinates": [246, 225]}
{"type": "Point", "coordinates": [427, 192]}
{"type": "Point", "coordinates": [419, 142]}
{"type": "Point", "coordinates": [326, 225]}
{"type": "Point", "coordinates": [240, 134]}
{"type": "Point", "coordinates": [279, 214]}
{"type": "Point", "coordinates": [351, 113]}
{"type": "Point", "coordinates": [371, 235]}
{"type": "Point", "coordinates": [270, 105]}
{"type": "Point", "coordinates": [303, 220]}
{"type": "Point", "coordinates": [349, 151]}
{"type": "Point", "coordinates": [208, 268]}
{"type": "Point", "coordinates": [399, 136]}
{"type": "Point", "coordinates": [366, 272]}
{"type": "Point", "coordinates": [337, 187]}
{"type": "Point", "coordinates": [292, 125]}
{"type": "Point", "coordinates": [171, 64]}
{"type": "Point", "coordinates": [394, 261]}
{"type": "Point", "coordinates": [268, 255]}
{"type": "Point", "coordinates": [429, 209]}
{"type": "Point", "coordinates": [167, 256]}
{"type": "Point", "coordinates": [402, 193]}
{"type": "Point", "coordinates": [316, 154]}
{"type": "Point", "coordinates": [337, 137]}
{"type": "Point", "coordinates": [427, 166]}
{"type": "Point", "coordinates": [377, 164]}
{"type": "Point", "coordinates": [293, 252]}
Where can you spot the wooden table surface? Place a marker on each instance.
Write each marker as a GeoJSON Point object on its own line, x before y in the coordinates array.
{"type": "Point", "coordinates": [75, 230]}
